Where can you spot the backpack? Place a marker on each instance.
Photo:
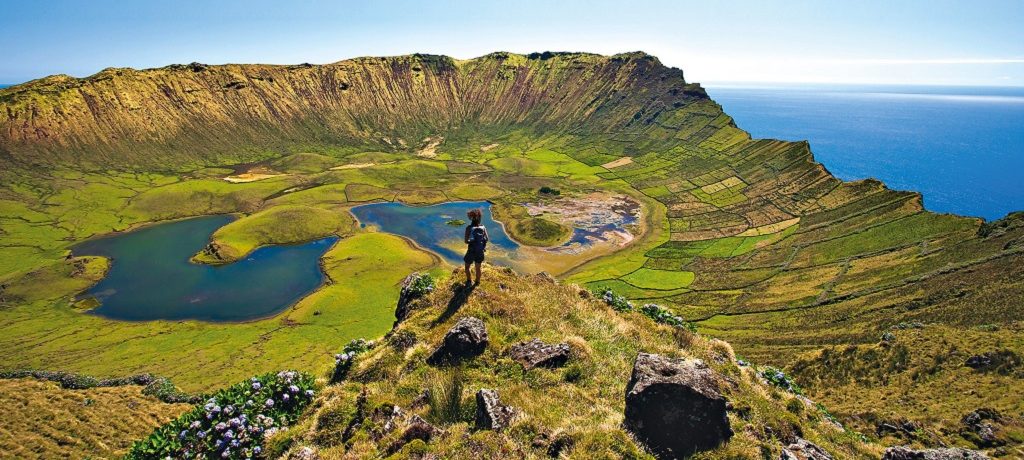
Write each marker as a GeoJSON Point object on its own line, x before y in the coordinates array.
{"type": "Point", "coordinates": [478, 238]}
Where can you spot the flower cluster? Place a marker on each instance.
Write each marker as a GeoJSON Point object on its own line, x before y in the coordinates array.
{"type": "Point", "coordinates": [779, 379]}
{"type": "Point", "coordinates": [617, 302]}
{"type": "Point", "coordinates": [343, 361]}
{"type": "Point", "coordinates": [234, 422]}
{"type": "Point", "coordinates": [661, 315]}
{"type": "Point", "coordinates": [421, 285]}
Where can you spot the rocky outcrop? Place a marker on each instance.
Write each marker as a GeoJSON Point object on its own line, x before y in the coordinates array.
{"type": "Point", "coordinates": [978, 427]}
{"type": "Point", "coordinates": [417, 428]}
{"type": "Point", "coordinates": [467, 339]}
{"type": "Point", "coordinates": [405, 297]}
{"type": "Point", "coordinates": [803, 449]}
{"type": "Point", "coordinates": [675, 407]}
{"type": "Point", "coordinates": [539, 354]}
{"type": "Point", "coordinates": [490, 413]}
{"type": "Point", "coordinates": [904, 453]}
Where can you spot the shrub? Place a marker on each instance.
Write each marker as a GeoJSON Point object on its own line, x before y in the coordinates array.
{"type": "Point", "coordinates": [661, 315]}
{"type": "Point", "coordinates": [779, 379]}
{"type": "Point", "coordinates": [343, 361]}
{"type": "Point", "coordinates": [617, 302]}
{"type": "Point", "coordinates": [445, 399]}
{"type": "Point", "coordinates": [234, 423]}
{"type": "Point", "coordinates": [421, 285]}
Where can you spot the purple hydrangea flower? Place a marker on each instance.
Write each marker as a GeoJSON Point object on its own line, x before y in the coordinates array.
{"type": "Point", "coordinates": [269, 403]}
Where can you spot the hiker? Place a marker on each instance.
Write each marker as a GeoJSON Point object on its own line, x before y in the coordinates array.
{"type": "Point", "coordinates": [476, 242]}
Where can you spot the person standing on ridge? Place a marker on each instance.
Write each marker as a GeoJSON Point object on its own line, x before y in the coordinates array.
{"type": "Point", "coordinates": [476, 242]}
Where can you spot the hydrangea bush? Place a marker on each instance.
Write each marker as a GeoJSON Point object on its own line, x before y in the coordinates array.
{"type": "Point", "coordinates": [343, 361]}
{"type": "Point", "coordinates": [234, 422]}
{"type": "Point", "coordinates": [421, 285]}
{"type": "Point", "coordinates": [653, 311]}
{"type": "Point", "coordinates": [617, 302]}
{"type": "Point", "coordinates": [779, 379]}
{"type": "Point", "coordinates": [661, 315]}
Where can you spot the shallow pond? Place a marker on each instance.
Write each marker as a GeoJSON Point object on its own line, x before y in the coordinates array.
{"type": "Point", "coordinates": [151, 276]}
{"type": "Point", "coordinates": [596, 231]}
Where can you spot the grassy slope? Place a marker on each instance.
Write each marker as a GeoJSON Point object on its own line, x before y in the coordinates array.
{"type": "Point", "coordinates": [42, 420]}
{"type": "Point", "coordinates": [582, 402]}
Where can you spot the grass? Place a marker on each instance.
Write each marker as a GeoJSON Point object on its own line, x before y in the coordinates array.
{"type": "Point", "coordinates": [604, 344]}
{"type": "Point", "coordinates": [43, 420]}
{"type": "Point", "coordinates": [659, 279]}
{"type": "Point", "coordinates": [528, 230]}
{"type": "Point", "coordinates": [286, 224]}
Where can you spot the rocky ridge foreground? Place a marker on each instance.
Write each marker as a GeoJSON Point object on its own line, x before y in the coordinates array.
{"type": "Point", "coordinates": [629, 387]}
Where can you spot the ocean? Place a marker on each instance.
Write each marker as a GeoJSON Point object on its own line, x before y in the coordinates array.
{"type": "Point", "coordinates": [961, 147]}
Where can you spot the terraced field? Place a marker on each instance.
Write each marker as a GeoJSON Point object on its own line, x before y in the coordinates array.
{"type": "Point", "coordinates": [751, 239]}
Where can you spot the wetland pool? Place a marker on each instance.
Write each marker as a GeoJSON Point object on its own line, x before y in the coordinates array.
{"type": "Point", "coordinates": [152, 278]}
{"type": "Point", "coordinates": [599, 226]}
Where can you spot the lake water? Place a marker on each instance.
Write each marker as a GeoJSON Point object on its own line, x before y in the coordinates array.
{"type": "Point", "coordinates": [962, 147]}
{"type": "Point", "coordinates": [152, 278]}
{"type": "Point", "coordinates": [599, 226]}
{"type": "Point", "coordinates": [428, 227]}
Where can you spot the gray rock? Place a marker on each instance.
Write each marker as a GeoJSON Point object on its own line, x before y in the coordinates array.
{"type": "Point", "coordinates": [675, 407]}
{"type": "Point", "coordinates": [304, 453]}
{"type": "Point", "coordinates": [405, 297]}
{"type": "Point", "coordinates": [467, 339]}
{"type": "Point", "coordinates": [979, 429]}
{"type": "Point", "coordinates": [490, 413]}
{"type": "Point", "coordinates": [803, 449]}
{"type": "Point", "coordinates": [419, 429]}
{"type": "Point", "coordinates": [416, 428]}
{"type": "Point", "coordinates": [539, 354]}
{"type": "Point", "coordinates": [904, 453]}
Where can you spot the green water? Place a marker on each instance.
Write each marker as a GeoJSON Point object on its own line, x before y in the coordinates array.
{"type": "Point", "coordinates": [152, 278]}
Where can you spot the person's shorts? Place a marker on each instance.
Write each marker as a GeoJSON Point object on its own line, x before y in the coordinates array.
{"type": "Point", "coordinates": [474, 256]}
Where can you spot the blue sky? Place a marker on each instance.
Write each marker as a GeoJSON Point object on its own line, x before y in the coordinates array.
{"type": "Point", "coordinates": [914, 42]}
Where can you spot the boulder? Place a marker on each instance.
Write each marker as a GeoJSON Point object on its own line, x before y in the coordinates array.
{"type": "Point", "coordinates": [539, 354]}
{"type": "Point", "coordinates": [803, 449]}
{"type": "Point", "coordinates": [978, 361]}
{"type": "Point", "coordinates": [304, 453]}
{"type": "Point", "coordinates": [466, 339]}
{"type": "Point", "coordinates": [904, 453]}
{"type": "Point", "coordinates": [405, 298]}
{"type": "Point", "coordinates": [490, 413]}
{"type": "Point", "coordinates": [979, 429]}
{"type": "Point", "coordinates": [419, 429]}
{"type": "Point", "coordinates": [675, 407]}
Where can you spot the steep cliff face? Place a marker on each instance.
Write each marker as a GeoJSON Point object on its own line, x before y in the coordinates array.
{"type": "Point", "coordinates": [181, 113]}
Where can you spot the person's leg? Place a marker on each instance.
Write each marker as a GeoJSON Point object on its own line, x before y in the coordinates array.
{"type": "Point", "coordinates": [477, 272]}
{"type": "Point", "coordinates": [468, 280]}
